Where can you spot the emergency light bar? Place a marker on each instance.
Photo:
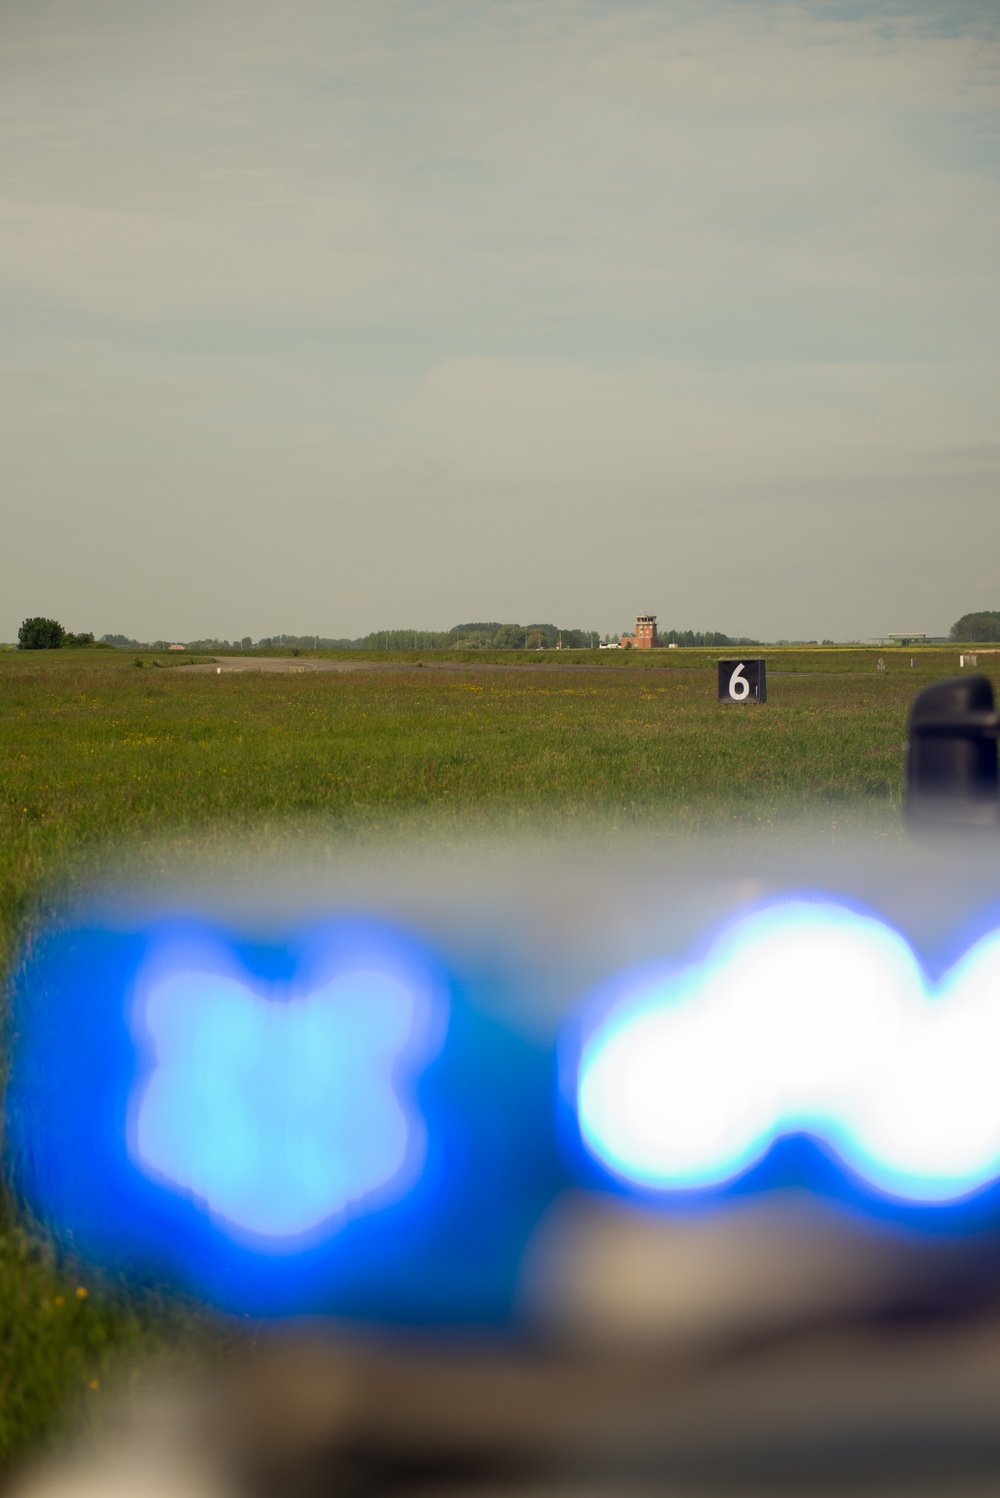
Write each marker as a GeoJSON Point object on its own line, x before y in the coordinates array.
{"type": "Point", "coordinates": [357, 1117]}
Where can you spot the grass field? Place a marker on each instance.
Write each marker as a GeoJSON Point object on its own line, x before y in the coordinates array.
{"type": "Point", "coordinates": [97, 751]}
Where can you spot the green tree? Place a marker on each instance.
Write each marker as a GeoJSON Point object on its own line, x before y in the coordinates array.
{"type": "Point", "coordinates": [548, 632]}
{"type": "Point", "coordinates": [509, 637]}
{"type": "Point", "coordinates": [463, 631]}
{"type": "Point", "coordinates": [40, 634]}
{"type": "Point", "coordinates": [981, 626]}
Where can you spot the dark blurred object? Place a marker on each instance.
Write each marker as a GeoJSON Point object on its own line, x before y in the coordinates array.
{"type": "Point", "coordinates": [951, 767]}
{"type": "Point", "coordinates": [777, 1348]}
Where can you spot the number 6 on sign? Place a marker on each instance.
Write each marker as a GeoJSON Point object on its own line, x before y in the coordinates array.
{"type": "Point", "coordinates": [742, 681]}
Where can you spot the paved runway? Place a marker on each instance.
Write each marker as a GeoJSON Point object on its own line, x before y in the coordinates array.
{"type": "Point", "coordinates": [223, 665]}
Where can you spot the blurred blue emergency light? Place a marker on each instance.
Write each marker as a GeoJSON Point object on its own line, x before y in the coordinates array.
{"type": "Point", "coordinates": [320, 1123]}
{"type": "Point", "coordinates": [336, 1118]}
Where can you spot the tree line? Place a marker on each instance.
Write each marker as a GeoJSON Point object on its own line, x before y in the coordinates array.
{"type": "Point", "coordinates": [48, 634]}
{"type": "Point", "coordinates": [492, 635]}
{"type": "Point", "coordinates": [482, 635]}
{"type": "Point", "coordinates": [38, 633]}
{"type": "Point", "coordinates": [709, 637]}
{"type": "Point", "coordinates": [982, 626]}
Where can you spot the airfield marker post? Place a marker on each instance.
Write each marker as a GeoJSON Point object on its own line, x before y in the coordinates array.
{"type": "Point", "coordinates": [742, 681]}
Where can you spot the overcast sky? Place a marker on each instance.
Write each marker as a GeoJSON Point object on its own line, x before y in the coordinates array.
{"type": "Point", "coordinates": [323, 316]}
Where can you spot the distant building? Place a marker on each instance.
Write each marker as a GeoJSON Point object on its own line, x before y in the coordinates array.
{"type": "Point", "coordinates": [645, 637]}
{"type": "Point", "coordinates": [176, 647]}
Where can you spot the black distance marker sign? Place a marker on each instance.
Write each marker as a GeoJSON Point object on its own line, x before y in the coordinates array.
{"type": "Point", "coordinates": [742, 681]}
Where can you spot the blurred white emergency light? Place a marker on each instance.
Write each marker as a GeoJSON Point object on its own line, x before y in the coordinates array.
{"type": "Point", "coordinates": [804, 1018]}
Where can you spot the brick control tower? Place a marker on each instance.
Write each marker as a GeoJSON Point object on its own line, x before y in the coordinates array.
{"type": "Point", "coordinates": [645, 637]}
